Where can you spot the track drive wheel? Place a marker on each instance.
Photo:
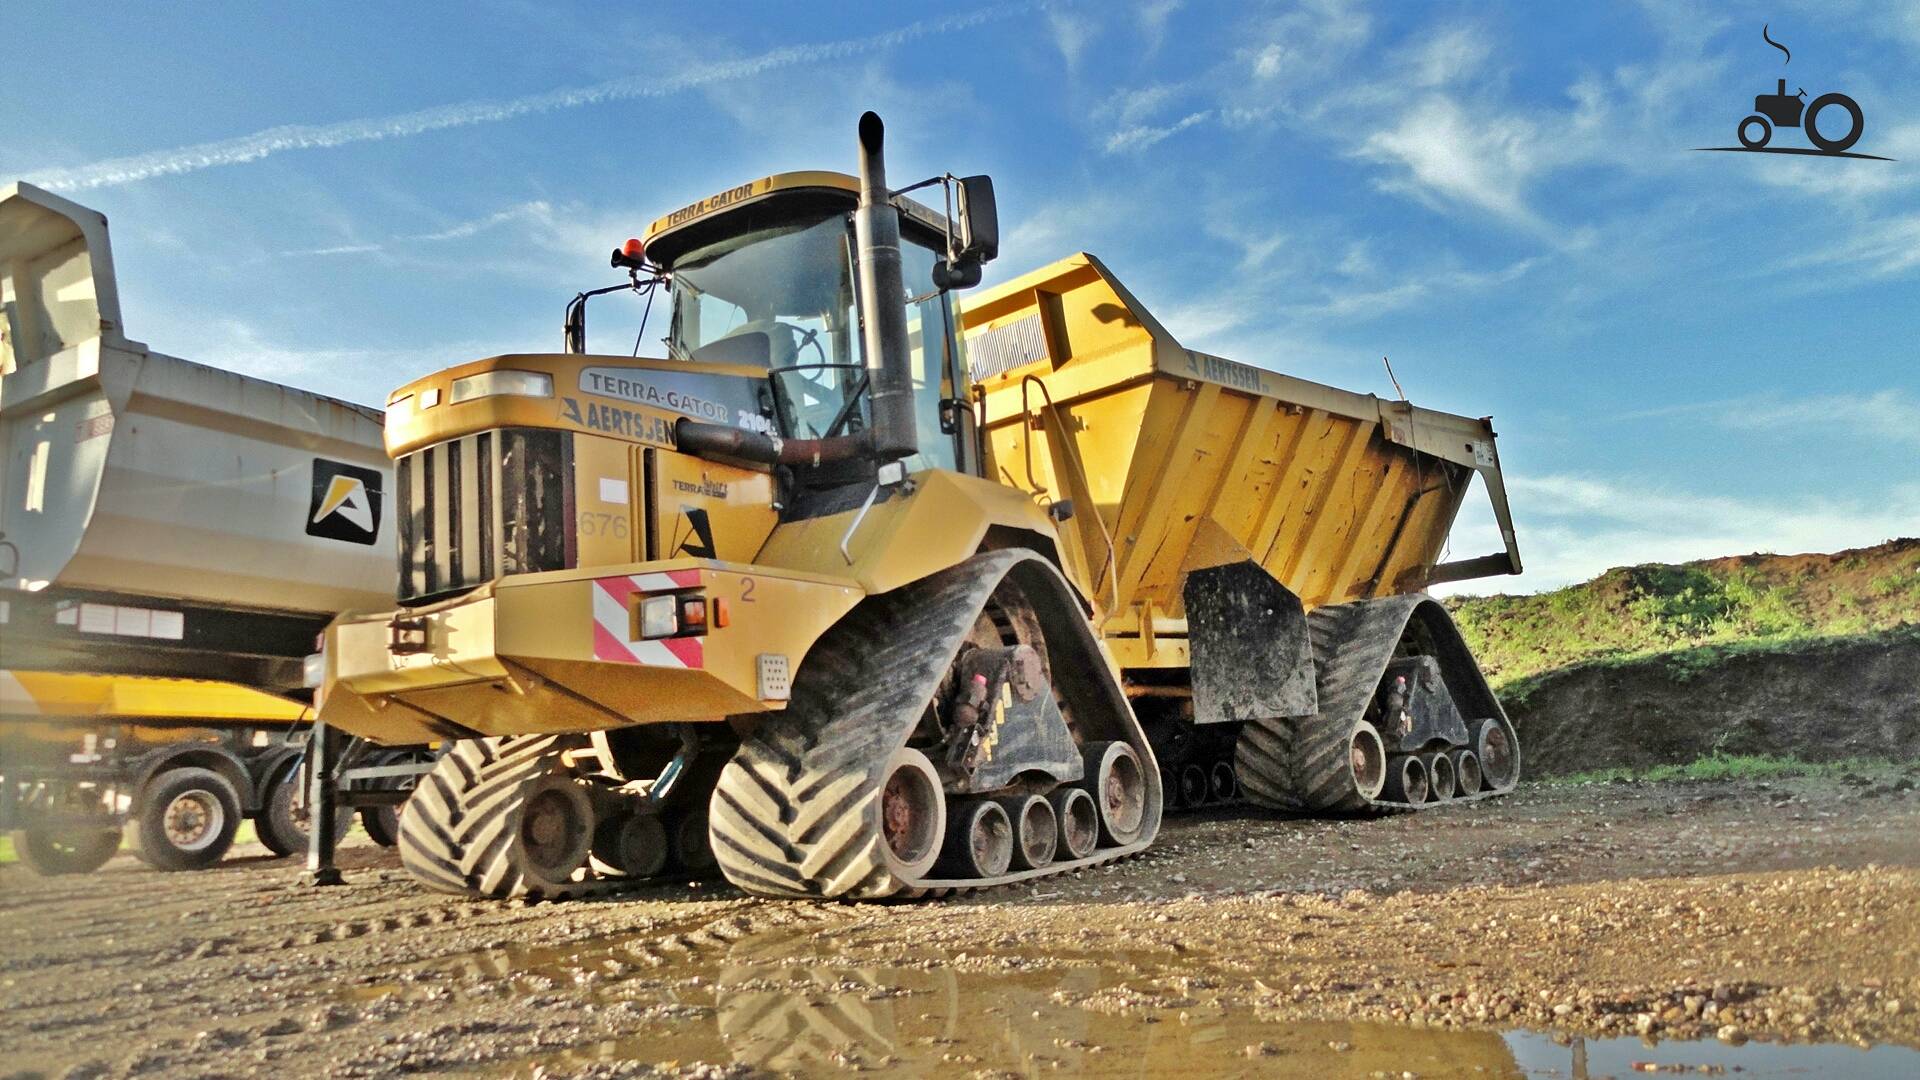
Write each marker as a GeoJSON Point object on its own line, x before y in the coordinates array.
{"type": "Point", "coordinates": [499, 818]}
{"type": "Point", "coordinates": [54, 852]}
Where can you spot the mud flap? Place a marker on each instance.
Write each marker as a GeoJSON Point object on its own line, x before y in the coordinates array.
{"type": "Point", "coordinates": [1251, 653]}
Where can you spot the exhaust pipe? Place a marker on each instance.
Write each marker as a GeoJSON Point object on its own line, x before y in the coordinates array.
{"type": "Point", "coordinates": [883, 312]}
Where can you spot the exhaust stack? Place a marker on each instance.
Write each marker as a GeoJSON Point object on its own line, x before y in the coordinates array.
{"type": "Point", "coordinates": [883, 313]}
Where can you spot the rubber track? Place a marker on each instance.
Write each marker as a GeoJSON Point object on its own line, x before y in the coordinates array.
{"type": "Point", "coordinates": [1299, 763]}
{"type": "Point", "coordinates": [457, 832]}
{"type": "Point", "coordinates": [796, 812]}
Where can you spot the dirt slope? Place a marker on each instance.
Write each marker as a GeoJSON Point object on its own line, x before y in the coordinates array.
{"type": "Point", "coordinates": [1808, 656]}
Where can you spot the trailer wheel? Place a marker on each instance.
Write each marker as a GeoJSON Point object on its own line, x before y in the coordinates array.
{"type": "Point", "coordinates": [186, 819]}
{"type": "Point", "coordinates": [51, 853]}
{"type": "Point", "coordinates": [283, 826]}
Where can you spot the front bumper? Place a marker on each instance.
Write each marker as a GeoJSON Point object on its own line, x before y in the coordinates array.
{"type": "Point", "coordinates": [558, 652]}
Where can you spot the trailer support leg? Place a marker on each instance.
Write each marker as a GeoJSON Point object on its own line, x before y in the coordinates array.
{"type": "Point", "coordinates": [323, 797]}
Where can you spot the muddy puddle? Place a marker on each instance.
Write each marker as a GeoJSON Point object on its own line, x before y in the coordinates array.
{"type": "Point", "coordinates": [787, 1004]}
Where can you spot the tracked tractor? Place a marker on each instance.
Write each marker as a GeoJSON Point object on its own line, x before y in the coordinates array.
{"type": "Point", "coordinates": [811, 601]}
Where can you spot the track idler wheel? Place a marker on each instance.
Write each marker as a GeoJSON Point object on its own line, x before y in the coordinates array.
{"type": "Point", "coordinates": [1078, 820]}
{"type": "Point", "coordinates": [1220, 782]}
{"type": "Point", "coordinates": [1406, 780]}
{"type": "Point", "coordinates": [979, 840]}
{"type": "Point", "coordinates": [1118, 785]}
{"type": "Point", "coordinates": [1466, 772]}
{"type": "Point", "coordinates": [556, 828]}
{"type": "Point", "coordinates": [1440, 778]}
{"type": "Point", "coordinates": [913, 814]}
{"type": "Point", "coordinates": [1367, 755]}
{"type": "Point", "coordinates": [1499, 753]}
{"type": "Point", "coordinates": [1036, 831]}
{"type": "Point", "coordinates": [1193, 785]}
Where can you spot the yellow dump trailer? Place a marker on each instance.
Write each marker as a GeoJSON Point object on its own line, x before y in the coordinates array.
{"type": "Point", "coordinates": [1169, 461]}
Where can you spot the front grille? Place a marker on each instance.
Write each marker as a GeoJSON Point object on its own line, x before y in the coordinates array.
{"type": "Point", "coordinates": [483, 506]}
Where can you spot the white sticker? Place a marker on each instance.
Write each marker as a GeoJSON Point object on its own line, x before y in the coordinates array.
{"type": "Point", "coordinates": [133, 622]}
{"type": "Point", "coordinates": [96, 618]}
{"type": "Point", "coordinates": [613, 491]}
{"type": "Point", "coordinates": [171, 625]}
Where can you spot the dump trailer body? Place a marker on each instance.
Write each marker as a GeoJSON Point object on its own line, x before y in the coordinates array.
{"type": "Point", "coordinates": [173, 537]}
{"type": "Point", "coordinates": [1174, 459]}
{"type": "Point", "coordinates": [160, 516]}
{"type": "Point", "coordinates": [1255, 546]}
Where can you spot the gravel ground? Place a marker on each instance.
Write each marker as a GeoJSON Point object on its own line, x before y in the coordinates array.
{"type": "Point", "coordinates": [1786, 911]}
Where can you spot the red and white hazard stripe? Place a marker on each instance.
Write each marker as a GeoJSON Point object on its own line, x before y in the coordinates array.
{"type": "Point", "coordinates": [612, 600]}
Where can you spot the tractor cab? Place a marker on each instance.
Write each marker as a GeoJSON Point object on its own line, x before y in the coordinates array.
{"type": "Point", "coordinates": [767, 276]}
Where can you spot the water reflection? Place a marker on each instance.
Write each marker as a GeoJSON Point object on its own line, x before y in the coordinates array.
{"type": "Point", "coordinates": [766, 1003]}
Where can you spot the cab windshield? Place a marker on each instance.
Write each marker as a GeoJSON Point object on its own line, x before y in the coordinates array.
{"type": "Point", "coordinates": [782, 297]}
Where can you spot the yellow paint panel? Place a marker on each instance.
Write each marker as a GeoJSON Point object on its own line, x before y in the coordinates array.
{"type": "Point", "coordinates": [46, 693]}
{"type": "Point", "coordinates": [709, 510]}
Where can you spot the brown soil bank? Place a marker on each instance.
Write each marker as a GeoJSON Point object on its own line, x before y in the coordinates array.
{"type": "Point", "coordinates": [1820, 700]}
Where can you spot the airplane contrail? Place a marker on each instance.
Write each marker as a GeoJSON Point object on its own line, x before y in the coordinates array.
{"type": "Point", "coordinates": [274, 140]}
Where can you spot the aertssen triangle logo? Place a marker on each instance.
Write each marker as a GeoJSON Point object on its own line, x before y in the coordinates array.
{"type": "Point", "coordinates": [346, 502]}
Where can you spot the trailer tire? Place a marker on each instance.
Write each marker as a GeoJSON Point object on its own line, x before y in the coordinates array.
{"type": "Point", "coordinates": [186, 819]}
{"type": "Point", "coordinates": [52, 854]}
{"type": "Point", "coordinates": [280, 828]}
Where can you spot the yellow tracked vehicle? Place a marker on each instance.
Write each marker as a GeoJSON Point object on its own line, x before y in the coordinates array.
{"type": "Point", "coordinates": [813, 602]}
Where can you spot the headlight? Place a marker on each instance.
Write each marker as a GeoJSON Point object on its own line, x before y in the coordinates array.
{"type": "Point", "coordinates": [502, 381]}
{"type": "Point", "coordinates": [659, 616]}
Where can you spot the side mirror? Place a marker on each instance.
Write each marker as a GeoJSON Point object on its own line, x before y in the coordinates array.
{"type": "Point", "coordinates": [979, 224]}
{"type": "Point", "coordinates": [976, 234]}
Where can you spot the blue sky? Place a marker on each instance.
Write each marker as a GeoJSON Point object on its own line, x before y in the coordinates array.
{"type": "Point", "coordinates": [1686, 354]}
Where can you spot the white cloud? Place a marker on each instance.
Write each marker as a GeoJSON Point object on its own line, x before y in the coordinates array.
{"type": "Point", "coordinates": [1575, 526]}
{"type": "Point", "coordinates": [1890, 415]}
{"type": "Point", "coordinates": [1141, 136]}
{"type": "Point", "coordinates": [1071, 35]}
{"type": "Point", "coordinates": [1312, 39]}
{"type": "Point", "coordinates": [261, 144]}
{"type": "Point", "coordinates": [1449, 56]}
{"type": "Point", "coordinates": [1483, 161]}
{"type": "Point", "coordinates": [538, 211]}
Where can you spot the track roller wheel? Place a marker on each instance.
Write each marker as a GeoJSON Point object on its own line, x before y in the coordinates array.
{"type": "Point", "coordinates": [1499, 753]}
{"type": "Point", "coordinates": [692, 849]}
{"type": "Point", "coordinates": [1221, 786]}
{"type": "Point", "coordinates": [496, 818]}
{"type": "Point", "coordinates": [979, 840]}
{"type": "Point", "coordinates": [1078, 820]}
{"type": "Point", "coordinates": [1440, 779]}
{"type": "Point", "coordinates": [1406, 780]}
{"type": "Point", "coordinates": [1036, 831]}
{"type": "Point", "coordinates": [633, 844]}
{"type": "Point", "coordinates": [1466, 772]}
{"type": "Point", "coordinates": [1193, 785]}
{"type": "Point", "coordinates": [1119, 788]}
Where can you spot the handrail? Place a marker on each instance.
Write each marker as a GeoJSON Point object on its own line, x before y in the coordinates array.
{"type": "Point", "coordinates": [1112, 572]}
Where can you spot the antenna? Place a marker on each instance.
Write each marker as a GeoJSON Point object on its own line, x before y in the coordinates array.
{"type": "Point", "coordinates": [1390, 378]}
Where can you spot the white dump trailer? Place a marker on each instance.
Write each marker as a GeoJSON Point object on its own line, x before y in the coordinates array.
{"type": "Point", "coordinates": [172, 539]}
{"type": "Point", "coordinates": [159, 516]}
